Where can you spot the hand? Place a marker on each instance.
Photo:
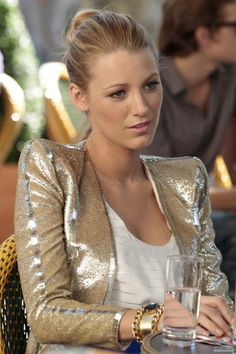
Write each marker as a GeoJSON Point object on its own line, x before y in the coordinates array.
{"type": "Point", "coordinates": [176, 315]}
{"type": "Point", "coordinates": [215, 316]}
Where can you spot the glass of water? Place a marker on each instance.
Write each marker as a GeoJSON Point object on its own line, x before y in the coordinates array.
{"type": "Point", "coordinates": [182, 299]}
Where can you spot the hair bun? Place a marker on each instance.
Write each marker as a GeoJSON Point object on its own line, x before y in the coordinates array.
{"type": "Point", "coordinates": [77, 21]}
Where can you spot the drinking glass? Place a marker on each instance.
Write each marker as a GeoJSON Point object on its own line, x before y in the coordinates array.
{"type": "Point", "coordinates": [183, 283]}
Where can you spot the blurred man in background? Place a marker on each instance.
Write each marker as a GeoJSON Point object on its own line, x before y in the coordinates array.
{"type": "Point", "coordinates": [197, 43]}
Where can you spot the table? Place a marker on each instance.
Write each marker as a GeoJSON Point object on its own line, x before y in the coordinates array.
{"type": "Point", "coordinates": [153, 344]}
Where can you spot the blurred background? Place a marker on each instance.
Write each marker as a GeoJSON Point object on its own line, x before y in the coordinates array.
{"type": "Point", "coordinates": [46, 19]}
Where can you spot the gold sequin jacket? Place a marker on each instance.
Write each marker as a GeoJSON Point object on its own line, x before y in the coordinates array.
{"type": "Point", "coordinates": [65, 246]}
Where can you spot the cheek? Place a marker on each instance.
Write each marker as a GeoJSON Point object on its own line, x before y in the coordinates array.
{"type": "Point", "coordinates": [111, 115]}
{"type": "Point", "coordinates": [118, 111]}
{"type": "Point", "coordinates": [226, 42]}
{"type": "Point", "coordinates": [157, 102]}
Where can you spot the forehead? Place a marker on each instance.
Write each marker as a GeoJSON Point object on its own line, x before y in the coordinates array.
{"type": "Point", "coordinates": [124, 63]}
{"type": "Point", "coordinates": [228, 11]}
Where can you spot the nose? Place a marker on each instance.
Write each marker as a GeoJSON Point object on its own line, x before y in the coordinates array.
{"type": "Point", "coordinates": [139, 104]}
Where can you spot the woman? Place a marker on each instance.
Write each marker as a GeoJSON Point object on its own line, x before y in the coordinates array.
{"type": "Point", "coordinates": [89, 217]}
{"type": "Point", "coordinates": [199, 82]}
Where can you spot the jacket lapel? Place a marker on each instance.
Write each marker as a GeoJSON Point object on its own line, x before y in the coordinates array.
{"type": "Point", "coordinates": [177, 200]}
{"type": "Point", "coordinates": [94, 231]}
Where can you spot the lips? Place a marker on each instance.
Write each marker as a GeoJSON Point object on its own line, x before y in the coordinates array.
{"type": "Point", "coordinates": [140, 125]}
{"type": "Point", "coordinates": [141, 128]}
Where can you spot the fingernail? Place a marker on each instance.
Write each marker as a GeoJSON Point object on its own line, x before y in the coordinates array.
{"type": "Point", "coordinates": [205, 333]}
{"type": "Point", "coordinates": [219, 332]}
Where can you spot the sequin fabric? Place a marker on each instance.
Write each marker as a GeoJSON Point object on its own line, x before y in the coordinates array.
{"type": "Point", "coordinates": [65, 246]}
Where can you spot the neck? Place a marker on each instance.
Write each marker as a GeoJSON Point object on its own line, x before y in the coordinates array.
{"type": "Point", "coordinates": [114, 163]}
{"type": "Point", "coordinates": [195, 69]}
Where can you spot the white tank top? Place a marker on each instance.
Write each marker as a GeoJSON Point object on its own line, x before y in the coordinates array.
{"type": "Point", "coordinates": [140, 276]}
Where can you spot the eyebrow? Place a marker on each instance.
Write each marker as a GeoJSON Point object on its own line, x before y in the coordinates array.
{"type": "Point", "coordinates": [154, 74]}
{"type": "Point", "coordinates": [224, 24]}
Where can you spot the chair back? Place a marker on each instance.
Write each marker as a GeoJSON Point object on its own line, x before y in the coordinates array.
{"type": "Point", "coordinates": [14, 329]}
{"type": "Point", "coordinates": [12, 97]}
{"type": "Point", "coordinates": [60, 127]}
{"type": "Point", "coordinates": [221, 174]}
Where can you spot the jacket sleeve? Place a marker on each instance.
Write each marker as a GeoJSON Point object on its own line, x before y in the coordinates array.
{"type": "Point", "coordinates": [53, 315]}
{"type": "Point", "coordinates": [214, 281]}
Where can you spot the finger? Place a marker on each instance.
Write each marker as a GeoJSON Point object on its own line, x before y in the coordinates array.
{"type": "Point", "coordinates": [217, 328]}
{"type": "Point", "coordinates": [177, 315]}
{"type": "Point", "coordinates": [219, 303]}
{"type": "Point", "coordinates": [173, 303]}
{"type": "Point", "coordinates": [215, 315]}
{"type": "Point", "coordinates": [181, 313]}
{"type": "Point", "coordinates": [183, 322]}
{"type": "Point", "coordinates": [202, 331]}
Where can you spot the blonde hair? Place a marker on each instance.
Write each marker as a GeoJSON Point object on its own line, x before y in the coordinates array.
{"type": "Point", "coordinates": [94, 32]}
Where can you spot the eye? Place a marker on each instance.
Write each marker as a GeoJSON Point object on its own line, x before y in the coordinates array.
{"type": "Point", "coordinates": [118, 94]}
{"type": "Point", "coordinates": [151, 85]}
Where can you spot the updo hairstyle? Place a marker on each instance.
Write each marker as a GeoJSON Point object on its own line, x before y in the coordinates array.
{"type": "Point", "coordinates": [95, 32]}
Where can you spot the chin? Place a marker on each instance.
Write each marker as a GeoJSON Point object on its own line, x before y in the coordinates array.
{"type": "Point", "coordinates": [141, 145]}
{"type": "Point", "coordinates": [229, 60]}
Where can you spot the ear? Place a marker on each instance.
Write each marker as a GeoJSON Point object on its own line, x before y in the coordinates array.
{"type": "Point", "coordinates": [203, 36]}
{"type": "Point", "coordinates": [78, 97]}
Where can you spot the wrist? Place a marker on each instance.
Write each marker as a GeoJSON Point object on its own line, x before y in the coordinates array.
{"type": "Point", "coordinates": [125, 326]}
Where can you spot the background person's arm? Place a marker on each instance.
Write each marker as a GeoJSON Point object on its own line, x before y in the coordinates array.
{"type": "Point", "coordinates": [223, 199]}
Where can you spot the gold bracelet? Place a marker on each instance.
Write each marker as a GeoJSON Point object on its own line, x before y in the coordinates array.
{"type": "Point", "coordinates": [136, 324]}
{"type": "Point", "coordinates": [146, 320]}
{"type": "Point", "coordinates": [156, 318]}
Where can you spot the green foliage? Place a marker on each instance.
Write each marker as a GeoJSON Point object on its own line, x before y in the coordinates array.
{"type": "Point", "coordinates": [21, 63]}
